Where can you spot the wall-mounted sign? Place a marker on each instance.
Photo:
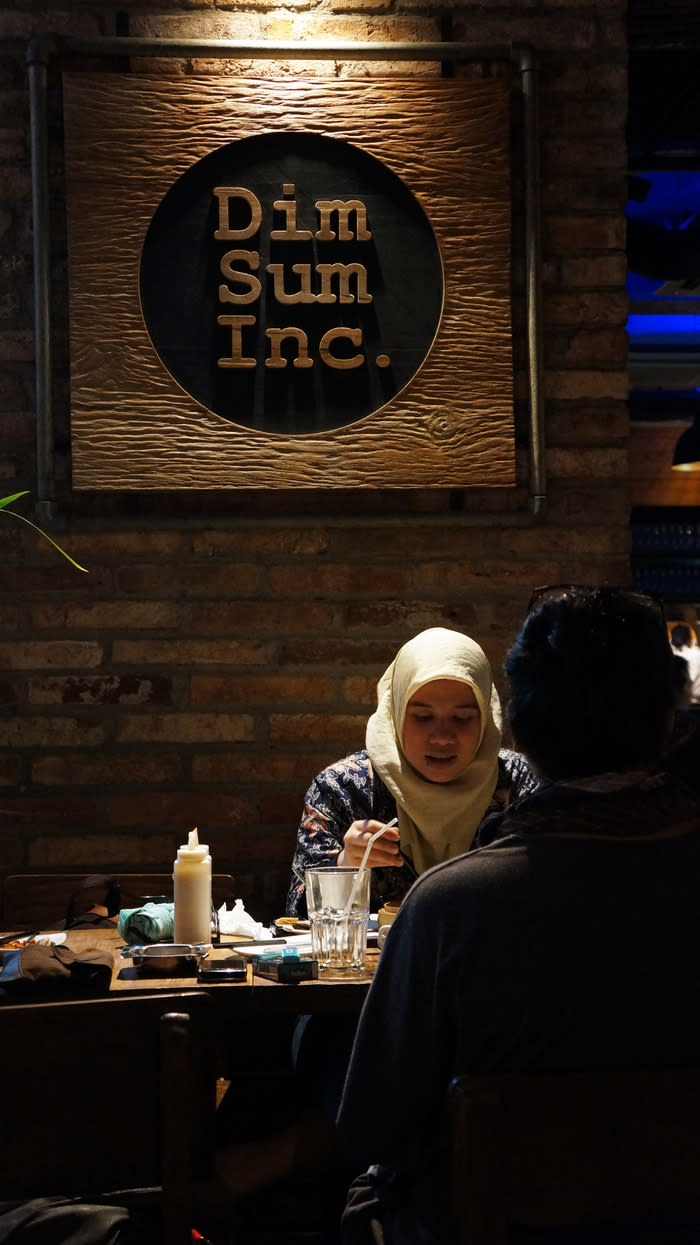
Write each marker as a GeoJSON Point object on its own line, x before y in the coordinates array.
{"type": "Point", "coordinates": [288, 284]}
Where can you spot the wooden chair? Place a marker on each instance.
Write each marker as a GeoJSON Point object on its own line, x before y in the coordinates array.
{"type": "Point", "coordinates": [109, 1094]}
{"type": "Point", "coordinates": [39, 900]}
{"type": "Point", "coordinates": [614, 1146]}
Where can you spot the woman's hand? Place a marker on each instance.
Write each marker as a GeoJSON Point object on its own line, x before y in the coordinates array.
{"type": "Point", "coordinates": [385, 851]}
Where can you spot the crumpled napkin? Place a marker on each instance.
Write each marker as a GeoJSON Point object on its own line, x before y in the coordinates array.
{"type": "Point", "coordinates": [238, 921]}
{"type": "Point", "coordinates": [153, 922]}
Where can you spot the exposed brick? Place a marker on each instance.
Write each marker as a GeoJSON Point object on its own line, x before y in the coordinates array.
{"type": "Point", "coordinates": [335, 651]}
{"type": "Point", "coordinates": [57, 654]}
{"type": "Point", "coordinates": [308, 727]}
{"type": "Point", "coordinates": [361, 579]}
{"type": "Point", "coordinates": [185, 728]}
{"type": "Point", "coordinates": [249, 541]}
{"type": "Point", "coordinates": [112, 546]}
{"type": "Point", "coordinates": [134, 615]}
{"type": "Point", "coordinates": [78, 769]}
{"type": "Point", "coordinates": [59, 732]}
{"type": "Point", "coordinates": [10, 770]}
{"type": "Point", "coordinates": [181, 810]}
{"type": "Point", "coordinates": [263, 690]}
{"type": "Point", "coordinates": [360, 690]}
{"type": "Point", "coordinates": [279, 806]}
{"type": "Point", "coordinates": [110, 690]}
{"type": "Point", "coordinates": [102, 851]}
{"type": "Point", "coordinates": [192, 652]}
{"type": "Point", "coordinates": [586, 385]}
{"type": "Point", "coordinates": [595, 463]}
{"type": "Point", "coordinates": [595, 270]}
{"type": "Point", "coordinates": [189, 580]}
{"type": "Point", "coordinates": [307, 618]}
{"type": "Point", "coordinates": [255, 768]}
{"type": "Point", "coordinates": [45, 579]}
{"type": "Point", "coordinates": [47, 812]}
{"type": "Point", "coordinates": [404, 618]}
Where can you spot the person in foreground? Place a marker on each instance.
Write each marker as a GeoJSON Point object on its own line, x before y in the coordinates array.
{"type": "Point", "coordinates": [572, 938]}
{"type": "Point", "coordinates": [433, 758]}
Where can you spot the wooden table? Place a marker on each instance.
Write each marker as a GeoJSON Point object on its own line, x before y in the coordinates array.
{"type": "Point", "coordinates": [255, 997]}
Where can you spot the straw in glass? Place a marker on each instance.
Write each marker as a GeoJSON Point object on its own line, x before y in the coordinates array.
{"type": "Point", "coordinates": [363, 862]}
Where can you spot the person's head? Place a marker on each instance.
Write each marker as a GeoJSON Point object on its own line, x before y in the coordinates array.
{"type": "Point", "coordinates": [440, 688]}
{"type": "Point", "coordinates": [591, 682]}
{"type": "Point", "coordinates": [681, 636]}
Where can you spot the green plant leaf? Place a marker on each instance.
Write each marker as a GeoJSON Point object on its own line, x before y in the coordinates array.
{"type": "Point", "coordinates": [5, 503]}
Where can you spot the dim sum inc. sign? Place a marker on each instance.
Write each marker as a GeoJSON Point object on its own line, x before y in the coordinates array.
{"type": "Point", "coordinates": [298, 284]}
{"type": "Point", "coordinates": [291, 303]}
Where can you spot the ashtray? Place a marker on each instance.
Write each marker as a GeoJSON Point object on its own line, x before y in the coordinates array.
{"type": "Point", "coordinates": [171, 959]}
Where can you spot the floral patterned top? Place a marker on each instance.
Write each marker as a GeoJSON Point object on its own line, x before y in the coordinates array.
{"type": "Point", "coordinates": [350, 791]}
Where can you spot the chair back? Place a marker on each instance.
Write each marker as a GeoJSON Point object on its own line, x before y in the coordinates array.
{"type": "Point", "coordinates": [107, 1094]}
{"type": "Point", "coordinates": [41, 900]}
{"type": "Point", "coordinates": [612, 1146]}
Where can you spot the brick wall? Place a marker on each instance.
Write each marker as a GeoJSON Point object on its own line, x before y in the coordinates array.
{"type": "Point", "coordinates": [221, 650]}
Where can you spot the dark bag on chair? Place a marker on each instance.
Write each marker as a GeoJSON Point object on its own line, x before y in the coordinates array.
{"type": "Point", "coordinates": [109, 899]}
{"type": "Point", "coordinates": [131, 1218]}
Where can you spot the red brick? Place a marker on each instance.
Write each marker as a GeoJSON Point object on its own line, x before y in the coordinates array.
{"type": "Point", "coordinates": [404, 619]}
{"type": "Point", "coordinates": [189, 579]}
{"type": "Point", "coordinates": [131, 615]}
{"type": "Point", "coordinates": [256, 767]}
{"type": "Point", "coordinates": [586, 385]}
{"type": "Point", "coordinates": [111, 690]}
{"type": "Point", "coordinates": [102, 851]}
{"type": "Point", "coordinates": [44, 579]}
{"type": "Point", "coordinates": [106, 546]}
{"type": "Point", "coordinates": [249, 541]}
{"type": "Point", "coordinates": [58, 732]}
{"type": "Point", "coordinates": [277, 807]}
{"type": "Point", "coordinates": [186, 728]}
{"type": "Point", "coordinates": [181, 810]}
{"type": "Point", "coordinates": [251, 690]}
{"type": "Point", "coordinates": [10, 770]}
{"type": "Point", "coordinates": [360, 579]}
{"type": "Point", "coordinates": [45, 654]}
{"type": "Point", "coordinates": [78, 769]}
{"type": "Point", "coordinates": [48, 812]}
{"type": "Point", "coordinates": [310, 727]}
{"type": "Point", "coordinates": [336, 651]}
{"type": "Point", "coordinates": [589, 462]}
{"type": "Point", "coordinates": [307, 618]}
{"type": "Point", "coordinates": [225, 652]}
{"type": "Point", "coordinates": [361, 690]}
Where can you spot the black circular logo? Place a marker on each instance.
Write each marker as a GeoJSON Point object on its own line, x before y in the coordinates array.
{"type": "Point", "coordinates": [291, 283]}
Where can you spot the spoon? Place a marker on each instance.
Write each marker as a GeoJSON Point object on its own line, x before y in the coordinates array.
{"type": "Point", "coordinates": [370, 841]}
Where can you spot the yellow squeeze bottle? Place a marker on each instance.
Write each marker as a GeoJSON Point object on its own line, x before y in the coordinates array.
{"type": "Point", "coordinates": [192, 891]}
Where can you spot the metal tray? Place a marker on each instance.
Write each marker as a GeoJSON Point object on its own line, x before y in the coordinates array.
{"type": "Point", "coordinates": [169, 958]}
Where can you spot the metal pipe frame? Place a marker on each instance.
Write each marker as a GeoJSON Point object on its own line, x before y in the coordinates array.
{"type": "Point", "coordinates": [43, 48]}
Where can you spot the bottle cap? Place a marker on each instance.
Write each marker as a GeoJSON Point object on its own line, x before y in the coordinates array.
{"type": "Point", "coordinates": [193, 849]}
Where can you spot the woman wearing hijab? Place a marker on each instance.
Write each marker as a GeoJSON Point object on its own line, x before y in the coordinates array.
{"type": "Point", "coordinates": [432, 758]}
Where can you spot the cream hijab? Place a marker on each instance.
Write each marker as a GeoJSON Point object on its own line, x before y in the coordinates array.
{"type": "Point", "coordinates": [436, 820]}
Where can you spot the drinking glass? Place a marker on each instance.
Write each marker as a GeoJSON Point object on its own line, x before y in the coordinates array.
{"type": "Point", "coordinates": [337, 900]}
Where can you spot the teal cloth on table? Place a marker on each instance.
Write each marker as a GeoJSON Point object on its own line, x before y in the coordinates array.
{"type": "Point", "coordinates": [153, 922]}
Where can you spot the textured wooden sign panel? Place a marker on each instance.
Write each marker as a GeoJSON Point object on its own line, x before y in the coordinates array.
{"type": "Point", "coordinates": [134, 426]}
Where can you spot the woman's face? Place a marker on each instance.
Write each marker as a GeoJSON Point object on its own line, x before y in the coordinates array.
{"type": "Point", "coordinates": [441, 729]}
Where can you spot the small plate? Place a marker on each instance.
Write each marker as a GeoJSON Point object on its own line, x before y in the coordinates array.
{"type": "Point", "coordinates": [46, 940]}
{"type": "Point", "coordinates": [293, 925]}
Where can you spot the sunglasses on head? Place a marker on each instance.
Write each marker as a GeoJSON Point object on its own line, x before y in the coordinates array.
{"type": "Point", "coordinates": [602, 595]}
